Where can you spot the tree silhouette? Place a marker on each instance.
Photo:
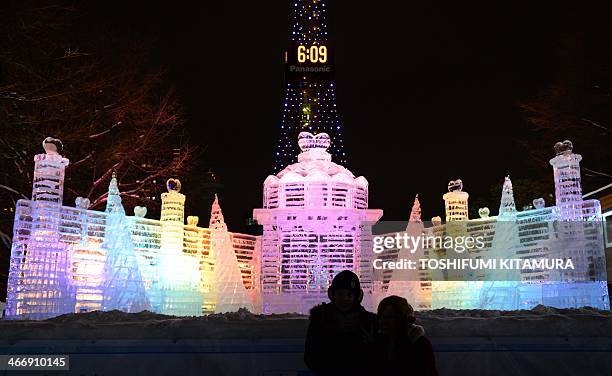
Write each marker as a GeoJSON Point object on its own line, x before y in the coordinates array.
{"type": "Point", "coordinates": [96, 87]}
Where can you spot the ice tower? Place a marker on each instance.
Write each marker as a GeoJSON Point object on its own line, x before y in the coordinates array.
{"type": "Point", "coordinates": [38, 286]}
{"type": "Point", "coordinates": [179, 271]}
{"type": "Point", "coordinates": [316, 223]}
{"type": "Point", "coordinates": [568, 190]}
{"type": "Point", "coordinates": [451, 287]}
{"type": "Point", "coordinates": [456, 202]}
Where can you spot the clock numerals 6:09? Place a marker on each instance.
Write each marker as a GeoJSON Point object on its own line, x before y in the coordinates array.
{"type": "Point", "coordinates": [314, 54]}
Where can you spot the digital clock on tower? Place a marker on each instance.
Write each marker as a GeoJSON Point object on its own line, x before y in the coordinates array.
{"type": "Point", "coordinates": [311, 54]}
{"type": "Point", "coordinates": [309, 61]}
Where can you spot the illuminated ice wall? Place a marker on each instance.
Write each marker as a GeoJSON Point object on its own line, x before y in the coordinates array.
{"type": "Point", "coordinates": [316, 222]}
{"type": "Point", "coordinates": [71, 259]}
{"type": "Point", "coordinates": [569, 230]}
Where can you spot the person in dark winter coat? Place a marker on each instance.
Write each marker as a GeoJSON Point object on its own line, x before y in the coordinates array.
{"type": "Point", "coordinates": [341, 333]}
{"type": "Point", "coordinates": [401, 346]}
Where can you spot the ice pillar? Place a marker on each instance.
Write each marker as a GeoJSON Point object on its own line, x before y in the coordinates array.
{"type": "Point", "coordinates": [38, 283]}
{"type": "Point", "coordinates": [456, 202]}
{"type": "Point", "coordinates": [568, 190]}
{"type": "Point", "coordinates": [178, 271]}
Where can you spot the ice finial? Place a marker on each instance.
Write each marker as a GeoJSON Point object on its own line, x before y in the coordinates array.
{"type": "Point", "coordinates": [436, 221]}
{"type": "Point", "coordinates": [564, 147]}
{"type": "Point", "coordinates": [507, 205]}
{"type": "Point", "coordinates": [539, 203]}
{"type": "Point", "coordinates": [484, 212]}
{"type": "Point", "coordinates": [52, 145]}
{"type": "Point", "coordinates": [308, 141]}
{"type": "Point", "coordinates": [217, 222]}
{"type": "Point", "coordinates": [81, 202]}
{"type": "Point", "coordinates": [455, 185]}
{"type": "Point", "coordinates": [415, 213]}
{"type": "Point", "coordinates": [113, 200]}
{"type": "Point", "coordinates": [140, 211]}
{"type": "Point", "coordinates": [193, 220]}
{"type": "Point", "coordinates": [173, 185]}
{"type": "Point", "coordinates": [113, 186]}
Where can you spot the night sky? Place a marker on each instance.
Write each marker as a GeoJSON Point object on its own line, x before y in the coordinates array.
{"type": "Point", "coordinates": [427, 92]}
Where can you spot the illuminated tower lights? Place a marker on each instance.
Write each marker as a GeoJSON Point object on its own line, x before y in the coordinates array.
{"type": "Point", "coordinates": [309, 103]}
{"type": "Point", "coordinates": [308, 21]}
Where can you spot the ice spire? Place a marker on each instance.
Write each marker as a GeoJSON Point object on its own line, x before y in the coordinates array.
{"type": "Point", "coordinates": [123, 287]}
{"type": "Point", "coordinates": [408, 283]}
{"type": "Point", "coordinates": [415, 213]}
{"type": "Point", "coordinates": [229, 293]}
{"type": "Point", "coordinates": [217, 222]}
{"type": "Point", "coordinates": [507, 206]}
{"type": "Point", "coordinates": [500, 288]}
{"type": "Point", "coordinates": [113, 200]}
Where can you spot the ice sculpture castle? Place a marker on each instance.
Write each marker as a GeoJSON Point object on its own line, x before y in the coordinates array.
{"type": "Point", "coordinates": [569, 230]}
{"type": "Point", "coordinates": [71, 259]}
{"type": "Point", "coordinates": [316, 223]}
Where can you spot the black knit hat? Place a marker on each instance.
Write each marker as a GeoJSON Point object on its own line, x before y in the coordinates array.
{"type": "Point", "coordinates": [348, 280]}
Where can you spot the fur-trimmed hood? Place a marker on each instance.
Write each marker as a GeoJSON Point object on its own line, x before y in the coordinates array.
{"type": "Point", "coordinates": [415, 332]}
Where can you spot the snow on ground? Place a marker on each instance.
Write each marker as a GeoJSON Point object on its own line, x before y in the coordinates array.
{"type": "Point", "coordinates": [543, 341]}
{"type": "Point", "coordinates": [538, 322]}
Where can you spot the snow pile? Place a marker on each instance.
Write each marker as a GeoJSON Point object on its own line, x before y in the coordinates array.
{"type": "Point", "coordinates": [115, 316]}
{"type": "Point", "coordinates": [243, 314]}
{"type": "Point", "coordinates": [537, 311]}
{"type": "Point", "coordinates": [540, 321]}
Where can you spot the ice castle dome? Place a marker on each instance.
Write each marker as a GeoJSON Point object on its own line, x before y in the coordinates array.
{"type": "Point", "coordinates": [315, 181]}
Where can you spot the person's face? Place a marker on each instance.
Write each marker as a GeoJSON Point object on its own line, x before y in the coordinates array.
{"type": "Point", "coordinates": [344, 299]}
{"type": "Point", "coordinates": [389, 322]}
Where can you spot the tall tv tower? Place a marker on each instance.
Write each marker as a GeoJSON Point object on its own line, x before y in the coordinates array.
{"type": "Point", "coordinates": [310, 101]}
